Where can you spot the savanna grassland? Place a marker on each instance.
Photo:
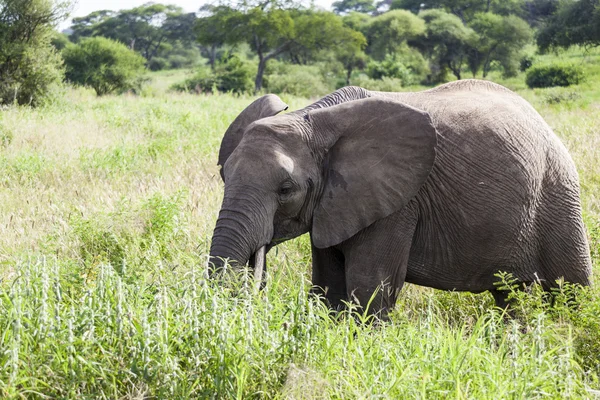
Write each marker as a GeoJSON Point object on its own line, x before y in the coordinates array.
{"type": "Point", "coordinates": [107, 207]}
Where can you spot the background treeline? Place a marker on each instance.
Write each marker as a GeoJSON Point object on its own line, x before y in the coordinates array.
{"type": "Point", "coordinates": [283, 46]}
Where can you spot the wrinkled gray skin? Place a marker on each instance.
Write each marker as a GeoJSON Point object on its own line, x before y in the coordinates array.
{"type": "Point", "coordinates": [440, 188]}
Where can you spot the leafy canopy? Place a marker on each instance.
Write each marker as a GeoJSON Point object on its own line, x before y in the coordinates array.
{"type": "Point", "coordinates": [574, 23]}
{"type": "Point", "coordinates": [497, 38]}
{"type": "Point", "coordinates": [29, 64]}
{"type": "Point", "coordinates": [272, 30]}
{"type": "Point", "coordinates": [147, 29]}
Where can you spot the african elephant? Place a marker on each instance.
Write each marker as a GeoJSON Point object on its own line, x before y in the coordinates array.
{"type": "Point", "coordinates": [440, 188]}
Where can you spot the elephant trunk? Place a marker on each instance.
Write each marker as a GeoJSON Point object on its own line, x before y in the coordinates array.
{"type": "Point", "coordinates": [240, 235]}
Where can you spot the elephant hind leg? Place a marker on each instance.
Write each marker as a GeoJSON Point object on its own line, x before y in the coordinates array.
{"type": "Point", "coordinates": [563, 250]}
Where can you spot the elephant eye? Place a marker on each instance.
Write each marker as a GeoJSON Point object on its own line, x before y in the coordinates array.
{"type": "Point", "coordinates": [285, 189]}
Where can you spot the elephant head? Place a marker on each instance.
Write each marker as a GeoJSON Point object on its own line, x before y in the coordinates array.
{"type": "Point", "coordinates": [330, 171]}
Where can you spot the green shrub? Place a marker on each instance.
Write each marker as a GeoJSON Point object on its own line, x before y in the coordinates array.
{"type": "Point", "coordinates": [231, 74]}
{"type": "Point", "coordinates": [384, 84]}
{"type": "Point", "coordinates": [299, 80]}
{"type": "Point", "coordinates": [408, 67]}
{"type": "Point", "coordinates": [554, 75]}
{"type": "Point", "coordinates": [560, 96]}
{"type": "Point", "coordinates": [59, 40]}
{"type": "Point", "coordinates": [158, 63]}
{"type": "Point", "coordinates": [525, 63]}
{"type": "Point", "coordinates": [105, 65]}
{"type": "Point", "coordinates": [29, 64]}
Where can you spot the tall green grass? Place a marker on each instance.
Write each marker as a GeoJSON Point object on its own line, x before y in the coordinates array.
{"type": "Point", "coordinates": [107, 207]}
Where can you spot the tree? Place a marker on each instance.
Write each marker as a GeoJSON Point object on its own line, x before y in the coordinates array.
{"type": "Point", "coordinates": [536, 11]}
{"type": "Point", "coordinates": [29, 64]}
{"type": "Point", "coordinates": [446, 41]}
{"type": "Point", "coordinates": [464, 9]}
{"type": "Point", "coordinates": [574, 23]}
{"type": "Point", "coordinates": [357, 21]}
{"type": "Point", "coordinates": [104, 64]}
{"type": "Point", "coordinates": [88, 26]}
{"type": "Point", "coordinates": [346, 6]}
{"type": "Point", "coordinates": [497, 38]}
{"type": "Point", "coordinates": [351, 59]}
{"type": "Point", "coordinates": [147, 29]}
{"type": "Point", "coordinates": [388, 32]}
{"type": "Point", "coordinates": [219, 27]}
{"type": "Point", "coordinates": [272, 30]}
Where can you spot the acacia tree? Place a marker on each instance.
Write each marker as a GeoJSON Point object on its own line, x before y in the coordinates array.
{"type": "Point", "coordinates": [497, 38]}
{"type": "Point", "coordinates": [389, 32]}
{"type": "Point", "coordinates": [272, 30]}
{"type": "Point", "coordinates": [446, 41]}
{"type": "Point", "coordinates": [218, 27]}
{"type": "Point", "coordinates": [87, 26]}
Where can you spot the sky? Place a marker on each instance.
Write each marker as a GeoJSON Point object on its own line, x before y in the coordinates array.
{"type": "Point", "coordinates": [84, 7]}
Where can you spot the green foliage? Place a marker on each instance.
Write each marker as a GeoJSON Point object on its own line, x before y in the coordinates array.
{"type": "Point", "coordinates": [29, 64]}
{"type": "Point", "coordinates": [151, 29]}
{"type": "Point", "coordinates": [573, 23]}
{"type": "Point", "coordinates": [408, 66]}
{"type": "Point", "coordinates": [158, 63]}
{"type": "Point", "coordinates": [231, 74]}
{"type": "Point", "coordinates": [103, 64]}
{"type": "Point", "coordinates": [446, 43]}
{"type": "Point", "coordinates": [555, 96]}
{"type": "Point", "coordinates": [272, 31]}
{"type": "Point", "coordinates": [59, 40]}
{"type": "Point", "coordinates": [526, 62]}
{"type": "Point", "coordinates": [389, 32]}
{"type": "Point", "coordinates": [559, 74]}
{"type": "Point", "coordinates": [347, 6]}
{"type": "Point", "coordinates": [218, 28]}
{"type": "Point", "coordinates": [298, 80]}
{"type": "Point", "coordinates": [500, 39]}
{"type": "Point", "coordinates": [357, 21]}
{"type": "Point", "coordinates": [463, 9]}
{"type": "Point", "coordinates": [384, 84]}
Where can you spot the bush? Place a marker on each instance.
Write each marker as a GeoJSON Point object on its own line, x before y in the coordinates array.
{"type": "Point", "coordinates": [105, 65]}
{"type": "Point", "coordinates": [407, 65]}
{"type": "Point", "coordinates": [554, 75]}
{"type": "Point", "coordinates": [158, 64]}
{"type": "Point", "coordinates": [384, 84]}
{"type": "Point", "coordinates": [231, 75]}
{"type": "Point", "coordinates": [59, 40]}
{"type": "Point", "coordinates": [299, 80]}
{"type": "Point", "coordinates": [29, 64]}
{"type": "Point", "coordinates": [560, 96]}
{"type": "Point", "coordinates": [525, 63]}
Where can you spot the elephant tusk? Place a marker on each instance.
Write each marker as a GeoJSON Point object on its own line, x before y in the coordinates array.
{"type": "Point", "coordinates": [259, 266]}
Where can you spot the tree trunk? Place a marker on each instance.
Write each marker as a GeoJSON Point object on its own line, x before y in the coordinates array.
{"type": "Point", "coordinates": [348, 74]}
{"type": "Point", "coordinates": [258, 81]}
{"type": "Point", "coordinates": [212, 56]}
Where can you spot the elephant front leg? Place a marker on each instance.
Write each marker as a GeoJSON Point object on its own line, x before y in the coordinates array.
{"type": "Point", "coordinates": [376, 261]}
{"type": "Point", "coordinates": [328, 276]}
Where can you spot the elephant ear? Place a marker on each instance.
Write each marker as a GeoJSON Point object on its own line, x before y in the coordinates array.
{"type": "Point", "coordinates": [379, 154]}
{"type": "Point", "coordinates": [263, 107]}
